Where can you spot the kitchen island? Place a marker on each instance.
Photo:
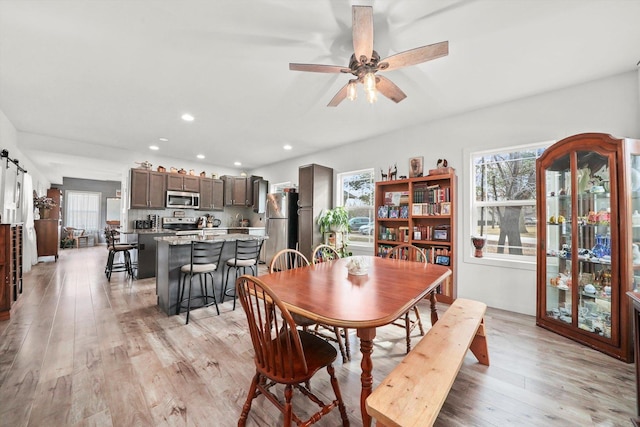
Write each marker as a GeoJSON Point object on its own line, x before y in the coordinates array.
{"type": "Point", "coordinates": [175, 251]}
{"type": "Point", "coordinates": [145, 242]}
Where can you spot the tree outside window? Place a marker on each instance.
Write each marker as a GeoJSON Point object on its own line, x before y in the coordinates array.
{"type": "Point", "coordinates": [504, 206]}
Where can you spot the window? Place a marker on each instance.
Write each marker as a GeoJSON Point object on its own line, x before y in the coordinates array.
{"type": "Point", "coordinates": [280, 186]}
{"type": "Point", "coordinates": [356, 194]}
{"type": "Point", "coordinates": [504, 204]}
{"type": "Point", "coordinates": [82, 210]}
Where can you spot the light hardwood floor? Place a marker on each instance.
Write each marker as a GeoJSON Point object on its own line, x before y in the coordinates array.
{"type": "Point", "coordinates": [79, 350]}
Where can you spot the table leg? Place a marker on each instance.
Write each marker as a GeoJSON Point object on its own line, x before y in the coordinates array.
{"type": "Point", "coordinates": [434, 308]}
{"type": "Point", "coordinates": [366, 336]}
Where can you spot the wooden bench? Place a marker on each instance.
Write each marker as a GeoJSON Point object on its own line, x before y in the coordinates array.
{"type": "Point", "coordinates": [414, 392]}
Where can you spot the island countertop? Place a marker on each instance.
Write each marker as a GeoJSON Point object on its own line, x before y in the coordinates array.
{"type": "Point", "coordinates": [187, 239]}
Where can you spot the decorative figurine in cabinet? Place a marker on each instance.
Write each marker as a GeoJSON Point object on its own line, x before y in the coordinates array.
{"type": "Point", "coordinates": [588, 186]}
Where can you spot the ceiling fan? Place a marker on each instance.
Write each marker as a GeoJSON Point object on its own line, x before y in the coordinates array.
{"type": "Point", "coordinates": [365, 62]}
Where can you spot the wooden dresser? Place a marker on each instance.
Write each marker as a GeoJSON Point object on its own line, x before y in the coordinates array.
{"type": "Point", "coordinates": [47, 237]}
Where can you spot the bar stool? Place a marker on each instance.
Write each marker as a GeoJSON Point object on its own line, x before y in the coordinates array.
{"type": "Point", "coordinates": [246, 256]}
{"type": "Point", "coordinates": [115, 249]}
{"type": "Point", "coordinates": [205, 259]}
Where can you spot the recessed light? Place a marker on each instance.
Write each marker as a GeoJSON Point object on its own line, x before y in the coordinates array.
{"type": "Point", "coordinates": [237, 164]}
{"type": "Point", "coordinates": [188, 117]}
{"type": "Point", "coordinates": [163, 139]}
{"type": "Point", "coordinates": [200, 156]}
{"type": "Point", "coordinates": [287, 147]}
{"type": "Point", "coordinates": [154, 147]}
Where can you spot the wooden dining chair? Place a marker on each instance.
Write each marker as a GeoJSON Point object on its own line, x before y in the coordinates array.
{"type": "Point", "coordinates": [323, 253]}
{"type": "Point", "coordinates": [284, 355]}
{"type": "Point", "coordinates": [288, 259]}
{"type": "Point", "coordinates": [409, 253]}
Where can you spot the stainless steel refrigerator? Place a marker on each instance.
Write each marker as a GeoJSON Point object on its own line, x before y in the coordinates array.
{"type": "Point", "coordinates": [282, 223]}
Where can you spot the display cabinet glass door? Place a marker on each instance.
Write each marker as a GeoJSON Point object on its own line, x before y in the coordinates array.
{"type": "Point", "coordinates": [558, 260]}
{"type": "Point", "coordinates": [594, 245]}
{"type": "Point", "coordinates": [635, 219]}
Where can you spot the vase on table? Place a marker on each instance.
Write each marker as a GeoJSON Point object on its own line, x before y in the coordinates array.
{"type": "Point", "coordinates": [478, 243]}
{"type": "Point", "coordinates": [45, 213]}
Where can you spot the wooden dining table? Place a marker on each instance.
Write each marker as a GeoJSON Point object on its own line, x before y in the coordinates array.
{"type": "Point", "coordinates": [326, 293]}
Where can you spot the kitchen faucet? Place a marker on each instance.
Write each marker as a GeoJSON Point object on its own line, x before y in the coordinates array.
{"type": "Point", "coordinates": [239, 220]}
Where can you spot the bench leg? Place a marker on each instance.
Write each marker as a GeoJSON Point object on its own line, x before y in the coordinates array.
{"type": "Point", "coordinates": [479, 345]}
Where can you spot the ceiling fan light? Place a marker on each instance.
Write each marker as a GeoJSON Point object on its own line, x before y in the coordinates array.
{"type": "Point", "coordinates": [352, 94]}
{"type": "Point", "coordinates": [369, 82]}
{"type": "Point", "coordinates": [372, 96]}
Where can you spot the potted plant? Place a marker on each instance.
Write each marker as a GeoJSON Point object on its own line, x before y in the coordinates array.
{"type": "Point", "coordinates": [44, 205]}
{"type": "Point", "coordinates": [336, 219]}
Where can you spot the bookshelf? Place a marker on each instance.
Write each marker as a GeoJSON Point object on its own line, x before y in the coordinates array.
{"type": "Point", "coordinates": [420, 211]}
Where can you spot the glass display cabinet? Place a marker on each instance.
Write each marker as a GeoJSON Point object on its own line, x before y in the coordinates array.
{"type": "Point", "coordinates": [588, 198]}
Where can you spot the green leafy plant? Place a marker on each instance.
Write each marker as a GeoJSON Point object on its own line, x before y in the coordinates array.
{"type": "Point", "coordinates": [43, 202]}
{"type": "Point", "coordinates": [336, 218]}
{"type": "Point", "coordinates": [343, 251]}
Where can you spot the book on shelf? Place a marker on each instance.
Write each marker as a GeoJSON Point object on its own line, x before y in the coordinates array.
{"type": "Point", "coordinates": [404, 211]}
{"type": "Point", "coordinates": [383, 211]}
{"type": "Point", "coordinates": [431, 194]}
{"type": "Point", "coordinates": [393, 234]}
{"type": "Point", "coordinates": [383, 250]}
{"type": "Point", "coordinates": [394, 211]}
{"type": "Point", "coordinates": [422, 232]}
{"type": "Point", "coordinates": [403, 234]}
{"type": "Point", "coordinates": [396, 198]}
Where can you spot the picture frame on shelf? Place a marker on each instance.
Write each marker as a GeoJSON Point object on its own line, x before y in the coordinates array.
{"type": "Point", "coordinates": [416, 209]}
{"type": "Point", "coordinates": [416, 165]}
{"type": "Point", "coordinates": [443, 260]}
{"type": "Point", "coordinates": [383, 211]}
{"type": "Point", "coordinates": [441, 233]}
{"type": "Point", "coordinates": [445, 208]}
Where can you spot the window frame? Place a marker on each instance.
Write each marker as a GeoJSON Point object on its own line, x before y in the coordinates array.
{"type": "Point", "coordinates": [339, 202]}
{"type": "Point", "coordinates": [492, 259]}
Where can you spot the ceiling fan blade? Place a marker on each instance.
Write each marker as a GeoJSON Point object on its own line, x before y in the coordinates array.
{"type": "Point", "coordinates": [389, 89]}
{"type": "Point", "coordinates": [415, 56]}
{"type": "Point", "coordinates": [316, 68]}
{"type": "Point", "coordinates": [363, 31]}
{"type": "Point", "coordinates": [339, 97]}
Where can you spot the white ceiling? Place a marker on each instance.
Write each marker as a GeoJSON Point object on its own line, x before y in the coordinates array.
{"type": "Point", "coordinates": [92, 79]}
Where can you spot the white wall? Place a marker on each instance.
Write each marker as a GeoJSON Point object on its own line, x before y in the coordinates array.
{"type": "Point", "coordinates": [609, 105]}
{"type": "Point", "coordinates": [9, 141]}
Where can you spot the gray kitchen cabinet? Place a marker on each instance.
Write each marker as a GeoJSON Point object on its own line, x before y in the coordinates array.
{"type": "Point", "coordinates": [315, 194]}
{"type": "Point", "coordinates": [218, 195]}
{"type": "Point", "coordinates": [147, 189]}
{"type": "Point", "coordinates": [238, 190]}
{"type": "Point", "coordinates": [235, 190]}
{"type": "Point", "coordinates": [179, 182]}
{"type": "Point", "coordinates": [211, 194]}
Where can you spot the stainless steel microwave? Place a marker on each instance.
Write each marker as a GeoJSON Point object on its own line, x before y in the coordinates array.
{"type": "Point", "coordinates": [182, 199]}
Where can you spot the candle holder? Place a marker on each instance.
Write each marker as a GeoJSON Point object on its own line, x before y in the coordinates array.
{"type": "Point", "coordinates": [478, 242]}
